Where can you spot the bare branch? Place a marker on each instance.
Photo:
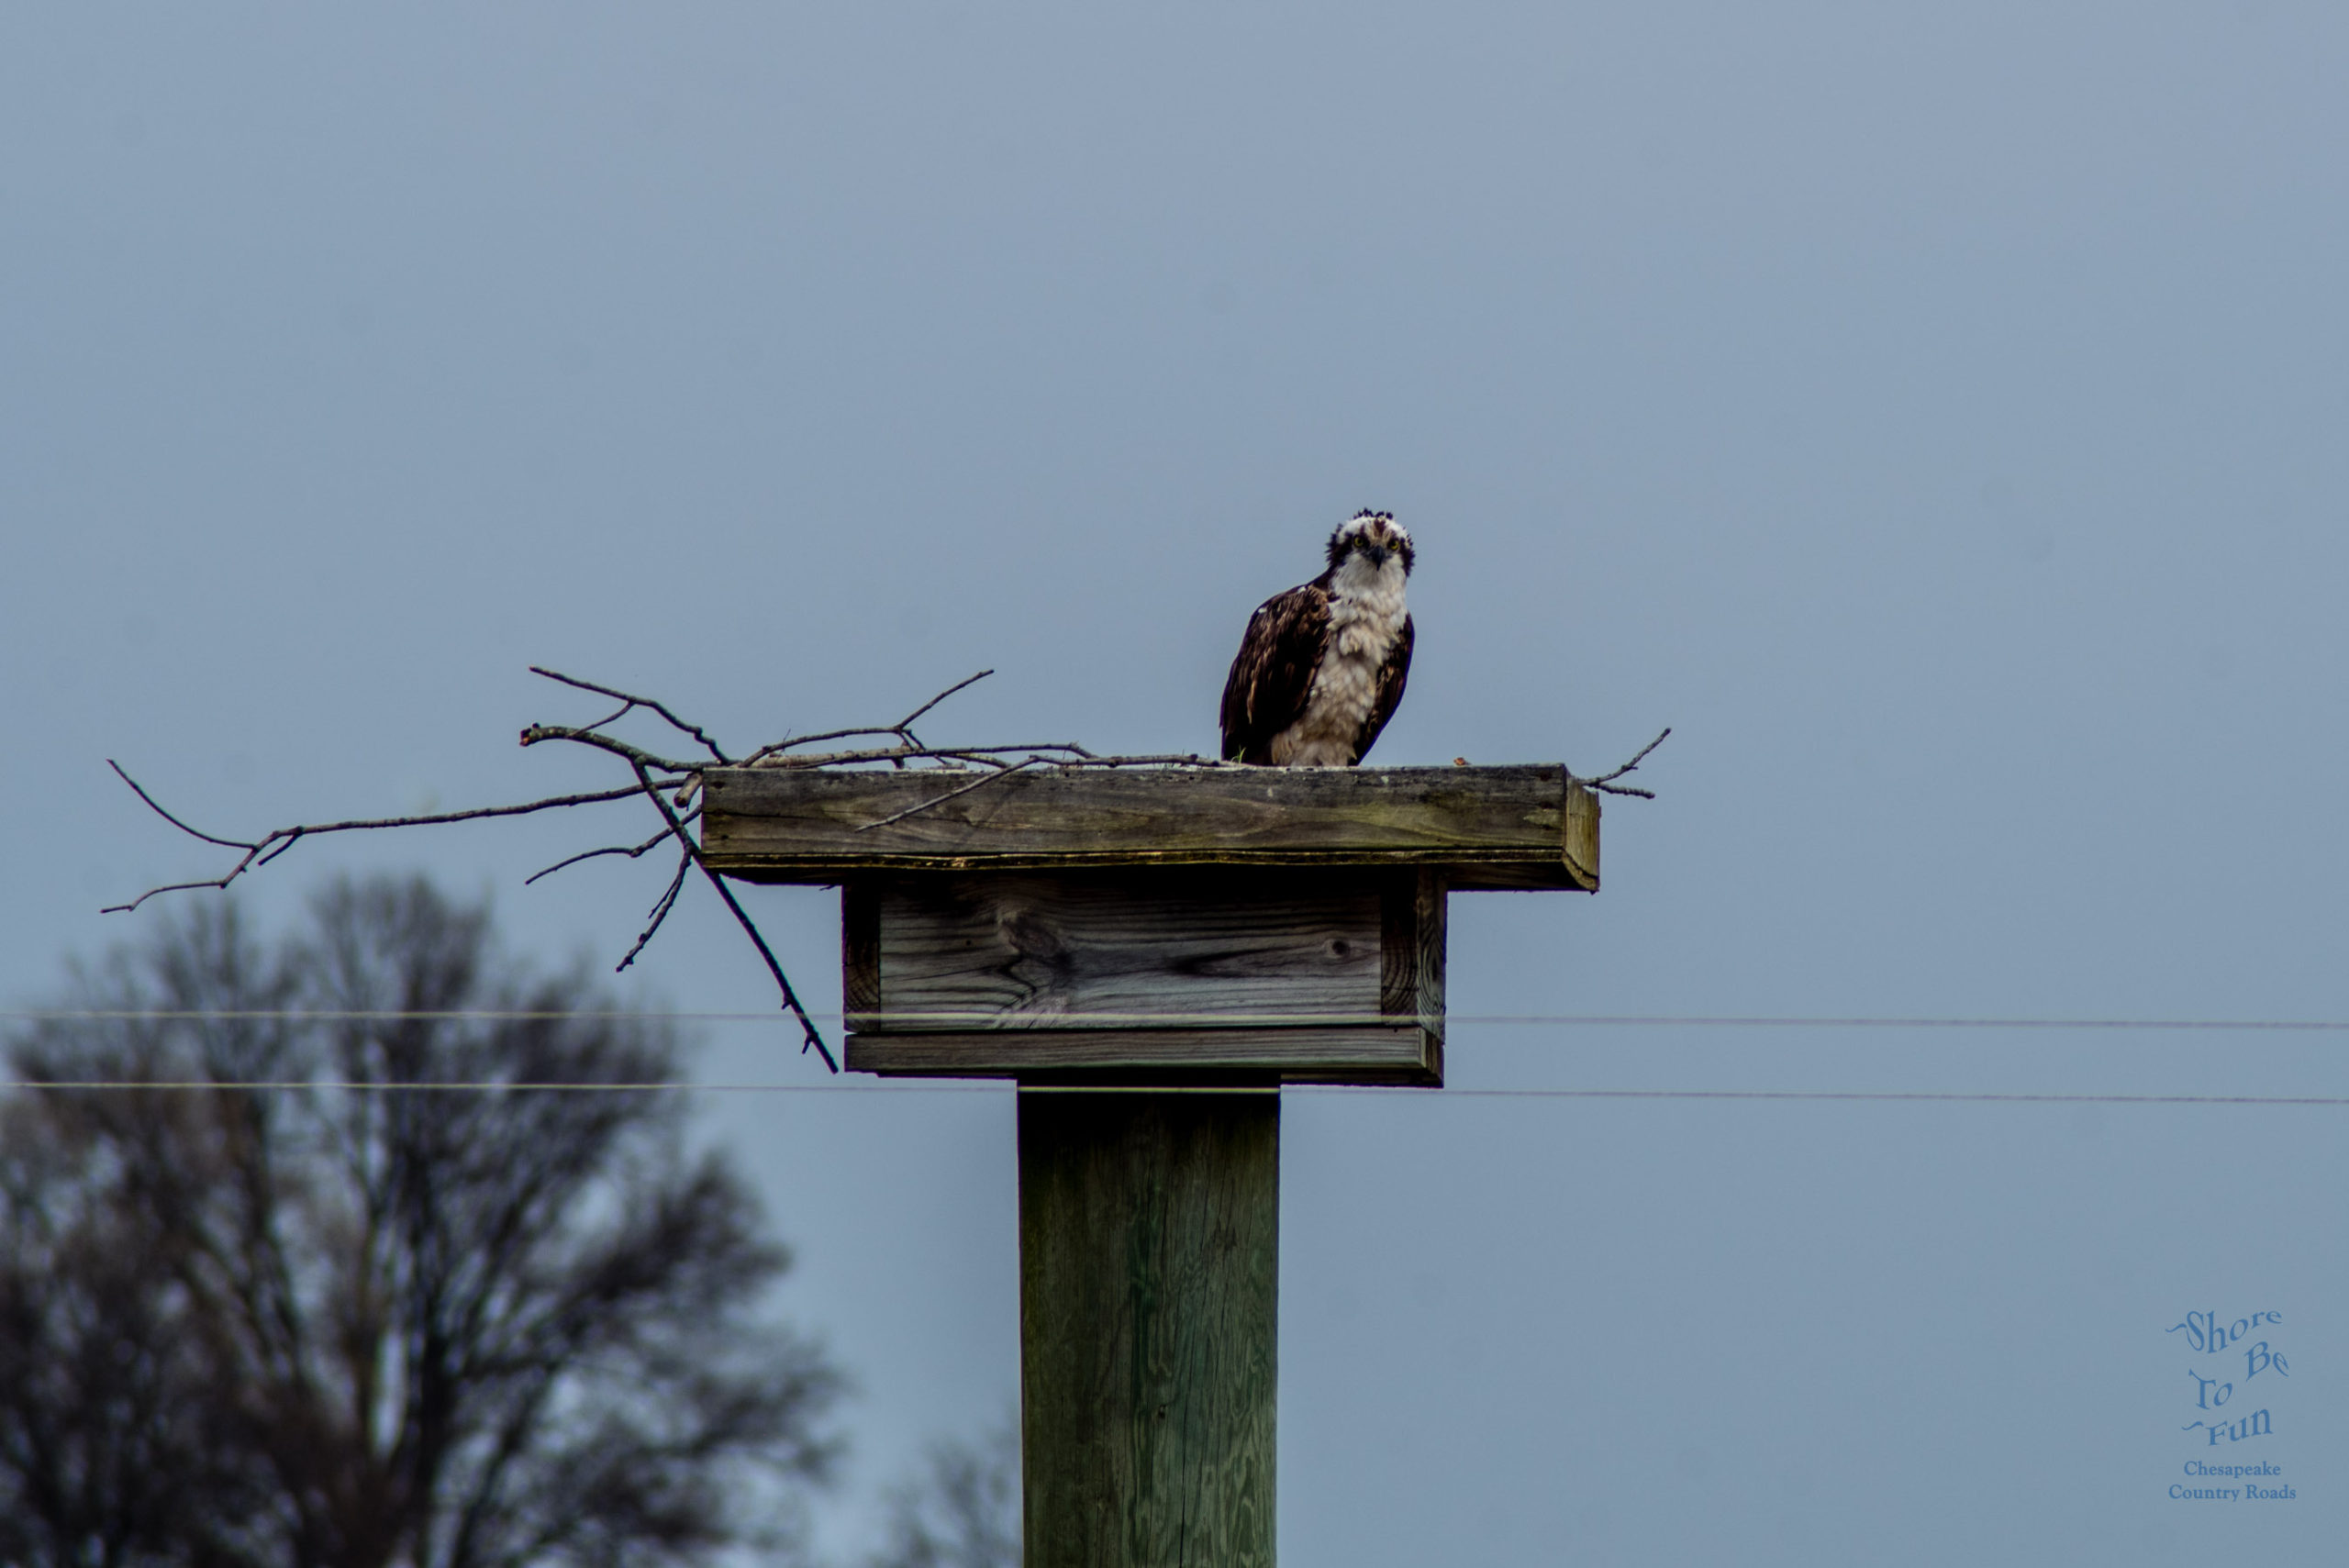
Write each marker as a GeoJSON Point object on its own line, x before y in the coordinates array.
{"type": "Point", "coordinates": [1637, 757]}
{"type": "Point", "coordinates": [292, 837]}
{"type": "Point", "coordinates": [277, 840]}
{"type": "Point", "coordinates": [635, 853]}
{"type": "Point", "coordinates": [1149, 760]}
{"type": "Point", "coordinates": [660, 910]}
{"type": "Point", "coordinates": [535, 733]}
{"type": "Point", "coordinates": [656, 776]}
{"type": "Point", "coordinates": [910, 751]}
{"type": "Point", "coordinates": [684, 841]}
{"type": "Point", "coordinates": [173, 887]}
{"type": "Point", "coordinates": [158, 810]}
{"type": "Point", "coordinates": [987, 756]}
{"type": "Point", "coordinates": [1605, 781]}
{"type": "Point", "coordinates": [612, 717]}
{"type": "Point", "coordinates": [1000, 771]}
{"type": "Point", "coordinates": [633, 701]}
{"type": "Point", "coordinates": [550, 803]}
{"type": "Point", "coordinates": [764, 756]}
{"type": "Point", "coordinates": [905, 725]}
{"type": "Point", "coordinates": [903, 728]}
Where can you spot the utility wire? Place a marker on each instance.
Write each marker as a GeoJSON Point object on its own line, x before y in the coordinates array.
{"type": "Point", "coordinates": [1310, 1090]}
{"type": "Point", "coordinates": [933, 1086]}
{"type": "Point", "coordinates": [1259, 1019]}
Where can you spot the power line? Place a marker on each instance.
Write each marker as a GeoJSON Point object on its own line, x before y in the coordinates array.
{"type": "Point", "coordinates": [1092, 1021]}
{"type": "Point", "coordinates": [934, 1086]}
{"type": "Point", "coordinates": [374, 1087]}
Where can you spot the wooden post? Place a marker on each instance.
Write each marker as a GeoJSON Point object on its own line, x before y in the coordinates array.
{"type": "Point", "coordinates": [1150, 953]}
{"type": "Point", "coordinates": [1149, 1279]}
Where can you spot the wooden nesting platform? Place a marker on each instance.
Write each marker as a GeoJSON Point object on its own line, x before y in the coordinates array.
{"type": "Point", "coordinates": [1151, 925]}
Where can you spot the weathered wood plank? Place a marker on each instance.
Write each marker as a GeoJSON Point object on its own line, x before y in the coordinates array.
{"type": "Point", "coordinates": [1581, 836]}
{"type": "Point", "coordinates": [859, 949]}
{"type": "Point", "coordinates": [1411, 977]}
{"type": "Point", "coordinates": [1374, 1053]}
{"type": "Point", "coordinates": [1148, 1309]}
{"type": "Point", "coordinates": [1398, 945]}
{"type": "Point", "coordinates": [1330, 975]}
{"type": "Point", "coordinates": [1027, 950]}
{"type": "Point", "coordinates": [1517, 827]}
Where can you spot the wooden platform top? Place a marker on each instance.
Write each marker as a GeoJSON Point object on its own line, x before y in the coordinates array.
{"type": "Point", "coordinates": [1521, 826]}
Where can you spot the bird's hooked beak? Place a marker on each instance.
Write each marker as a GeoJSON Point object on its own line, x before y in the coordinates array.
{"type": "Point", "coordinates": [1377, 553]}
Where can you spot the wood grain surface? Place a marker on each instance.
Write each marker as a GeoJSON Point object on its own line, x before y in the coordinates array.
{"type": "Point", "coordinates": [1325, 976]}
{"type": "Point", "coordinates": [1149, 1327]}
{"type": "Point", "coordinates": [1377, 1053]}
{"type": "Point", "coordinates": [1027, 950]}
{"type": "Point", "coordinates": [1497, 827]}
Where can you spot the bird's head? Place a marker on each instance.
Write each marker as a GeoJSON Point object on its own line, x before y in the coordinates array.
{"type": "Point", "coordinates": [1375, 536]}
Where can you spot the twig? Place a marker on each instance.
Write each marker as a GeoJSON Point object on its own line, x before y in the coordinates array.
{"type": "Point", "coordinates": [158, 810]}
{"type": "Point", "coordinates": [685, 842]}
{"type": "Point", "coordinates": [173, 887]}
{"type": "Point", "coordinates": [764, 756]}
{"type": "Point", "coordinates": [633, 701]}
{"type": "Point", "coordinates": [614, 716]}
{"type": "Point", "coordinates": [277, 840]}
{"type": "Point", "coordinates": [1637, 758]}
{"type": "Point", "coordinates": [903, 728]}
{"type": "Point", "coordinates": [1149, 760]}
{"type": "Point", "coordinates": [900, 755]}
{"type": "Point", "coordinates": [1002, 769]}
{"type": "Point", "coordinates": [1000, 772]}
{"type": "Point", "coordinates": [1605, 782]}
{"type": "Point", "coordinates": [533, 734]}
{"type": "Point", "coordinates": [635, 853]}
{"type": "Point", "coordinates": [291, 839]}
{"type": "Point", "coordinates": [661, 908]}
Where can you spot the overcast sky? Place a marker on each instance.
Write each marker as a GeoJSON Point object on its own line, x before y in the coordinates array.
{"type": "Point", "coordinates": [1934, 413]}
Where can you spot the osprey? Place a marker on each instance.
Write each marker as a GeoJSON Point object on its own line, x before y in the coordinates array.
{"type": "Point", "coordinates": [1321, 667]}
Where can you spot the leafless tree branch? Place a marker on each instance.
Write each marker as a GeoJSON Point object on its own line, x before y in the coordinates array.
{"type": "Point", "coordinates": [1605, 781]}
{"type": "Point", "coordinates": [635, 852]}
{"type": "Point", "coordinates": [277, 840]}
{"type": "Point", "coordinates": [158, 810]}
{"type": "Point", "coordinates": [903, 728]}
{"type": "Point", "coordinates": [905, 725]}
{"type": "Point", "coordinates": [659, 910]}
{"type": "Point", "coordinates": [632, 700]}
{"type": "Point", "coordinates": [1000, 771]}
{"type": "Point", "coordinates": [533, 734]}
{"type": "Point", "coordinates": [693, 852]}
{"type": "Point", "coordinates": [656, 776]}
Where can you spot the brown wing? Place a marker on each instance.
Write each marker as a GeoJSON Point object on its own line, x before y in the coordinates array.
{"type": "Point", "coordinates": [1389, 695]}
{"type": "Point", "coordinates": [1274, 672]}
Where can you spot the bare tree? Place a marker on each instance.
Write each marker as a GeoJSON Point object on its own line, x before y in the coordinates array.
{"type": "Point", "coordinates": [355, 1320]}
{"type": "Point", "coordinates": [963, 1510]}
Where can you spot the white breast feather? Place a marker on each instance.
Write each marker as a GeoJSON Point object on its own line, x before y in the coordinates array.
{"type": "Point", "coordinates": [1365, 617]}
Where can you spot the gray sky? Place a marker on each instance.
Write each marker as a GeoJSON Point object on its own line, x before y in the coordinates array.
{"type": "Point", "coordinates": [1934, 413]}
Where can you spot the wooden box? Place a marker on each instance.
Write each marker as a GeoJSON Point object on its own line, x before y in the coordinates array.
{"type": "Point", "coordinates": [1227, 925]}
